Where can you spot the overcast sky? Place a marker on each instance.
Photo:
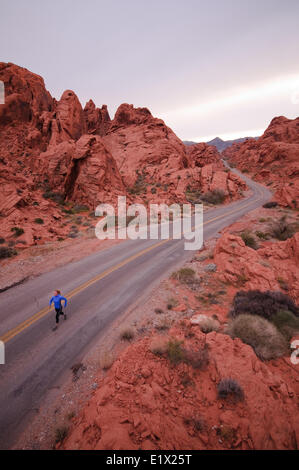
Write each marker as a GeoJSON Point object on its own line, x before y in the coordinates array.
{"type": "Point", "coordinates": [207, 67]}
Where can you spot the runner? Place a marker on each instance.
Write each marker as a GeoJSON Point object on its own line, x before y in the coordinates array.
{"type": "Point", "coordinates": [57, 298]}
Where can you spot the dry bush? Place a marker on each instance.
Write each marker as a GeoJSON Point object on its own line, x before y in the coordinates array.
{"type": "Point", "coordinates": [249, 239]}
{"type": "Point", "coordinates": [163, 324]}
{"type": "Point", "coordinates": [230, 388]}
{"type": "Point", "coordinates": [158, 345]}
{"type": "Point", "coordinates": [260, 334]}
{"type": "Point", "coordinates": [197, 359]}
{"type": "Point", "coordinates": [185, 275]}
{"type": "Point", "coordinates": [60, 434]}
{"type": "Point", "coordinates": [106, 360]}
{"type": "Point", "coordinates": [127, 334]}
{"type": "Point", "coordinates": [281, 229]}
{"type": "Point", "coordinates": [206, 324]}
{"type": "Point", "coordinates": [217, 196]}
{"type": "Point", "coordinates": [174, 351]}
{"type": "Point", "coordinates": [265, 304]}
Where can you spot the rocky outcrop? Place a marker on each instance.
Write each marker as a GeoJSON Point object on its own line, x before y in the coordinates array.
{"type": "Point", "coordinates": [97, 119]}
{"type": "Point", "coordinates": [262, 269]}
{"type": "Point", "coordinates": [273, 158]}
{"type": "Point", "coordinates": [56, 146]}
{"type": "Point", "coordinates": [202, 154]}
{"type": "Point", "coordinates": [145, 403]}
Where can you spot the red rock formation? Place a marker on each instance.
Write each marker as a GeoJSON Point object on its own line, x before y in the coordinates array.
{"type": "Point", "coordinates": [202, 154]}
{"type": "Point", "coordinates": [259, 269]}
{"type": "Point", "coordinates": [97, 119]}
{"type": "Point", "coordinates": [273, 158]}
{"type": "Point", "coordinates": [144, 402]}
{"type": "Point", "coordinates": [46, 145]}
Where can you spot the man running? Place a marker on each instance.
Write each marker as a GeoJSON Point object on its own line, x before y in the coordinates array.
{"type": "Point", "coordinates": [57, 298]}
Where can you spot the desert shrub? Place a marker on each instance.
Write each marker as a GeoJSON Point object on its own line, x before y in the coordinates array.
{"type": "Point", "coordinates": [197, 359]}
{"type": "Point", "coordinates": [55, 197]}
{"type": "Point", "coordinates": [217, 196]}
{"type": "Point", "coordinates": [171, 303]}
{"type": "Point", "coordinates": [158, 311]}
{"type": "Point", "coordinates": [206, 324]}
{"type": "Point", "coordinates": [2, 240]}
{"type": "Point", "coordinates": [230, 388]}
{"type": "Point", "coordinates": [262, 219]}
{"type": "Point", "coordinates": [163, 324]}
{"type": "Point", "coordinates": [262, 235]}
{"type": "Point", "coordinates": [281, 229]}
{"type": "Point", "coordinates": [80, 208]}
{"type": "Point", "coordinates": [270, 205]}
{"type": "Point", "coordinates": [286, 323]}
{"type": "Point", "coordinates": [174, 351]}
{"type": "Point", "coordinates": [17, 231]}
{"type": "Point", "coordinates": [264, 304]}
{"type": "Point", "coordinates": [39, 221]}
{"type": "Point", "coordinates": [106, 360]}
{"type": "Point", "coordinates": [260, 334]}
{"type": "Point", "coordinates": [61, 433]}
{"type": "Point", "coordinates": [158, 345]}
{"type": "Point", "coordinates": [7, 252]}
{"type": "Point", "coordinates": [249, 239]}
{"type": "Point", "coordinates": [127, 334]}
{"type": "Point", "coordinates": [184, 275]}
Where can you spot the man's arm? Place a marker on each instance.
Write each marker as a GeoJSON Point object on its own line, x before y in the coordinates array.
{"type": "Point", "coordinates": [65, 301]}
{"type": "Point", "coordinates": [51, 300]}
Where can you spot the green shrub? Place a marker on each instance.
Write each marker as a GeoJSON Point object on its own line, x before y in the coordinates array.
{"type": "Point", "coordinates": [174, 351]}
{"type": "Point", "coordinates": [39, 221]}
{"type": "Point", "coordinates": [217, 196]}
{"type": "Point", "coordinates": [17, 231]}
{"type": "Point", "coordinates": [262, 235]}
{"type": "Point", "coordinates": [249, 239]}
{"type": "Point", "coordinates": [260, 334]}
{"type": "Point", "coordinates": [286, 323]}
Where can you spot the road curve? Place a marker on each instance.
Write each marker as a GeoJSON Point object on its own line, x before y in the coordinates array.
{"type": "Point", "coordinates": [100, 288]}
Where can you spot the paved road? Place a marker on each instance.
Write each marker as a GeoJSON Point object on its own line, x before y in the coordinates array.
{"type": "Point", "coordinates": [100, 288]}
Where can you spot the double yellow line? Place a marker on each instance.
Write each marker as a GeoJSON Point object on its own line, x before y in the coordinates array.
{"type": "Point", "coordinates": [37, 316]}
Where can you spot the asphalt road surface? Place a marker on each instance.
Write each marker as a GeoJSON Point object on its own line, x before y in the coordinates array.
{"type": "Point", "coordinates": [100, 288]}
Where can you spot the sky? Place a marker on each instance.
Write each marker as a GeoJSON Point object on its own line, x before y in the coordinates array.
{"type": "Point", "coordinates": [207, 67]}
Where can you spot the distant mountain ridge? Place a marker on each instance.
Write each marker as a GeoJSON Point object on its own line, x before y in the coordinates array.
{"type": "Point", "coordinates": [221, 144]}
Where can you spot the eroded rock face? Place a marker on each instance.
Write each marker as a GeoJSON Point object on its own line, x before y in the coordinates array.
{"type": "Point", "coordinates": [97, 119]}
{"type": "Point", "coordinates": [202, 154]}
{"type": "Point", "coordinates": [25, 95]}
{"type": "Point", "coordinates": [273, 158]}
{"type": "Point", "coordinates": [48, 145]}
{"type": "Point", "coordinates": [259, 269]}
{"type": "Point", "coordinates": [143, 404]}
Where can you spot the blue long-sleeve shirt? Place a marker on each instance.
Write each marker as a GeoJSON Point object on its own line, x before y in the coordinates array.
{"type": "Point", "coordinates": [57, 301]}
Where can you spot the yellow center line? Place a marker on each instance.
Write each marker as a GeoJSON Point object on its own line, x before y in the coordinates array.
{"type": "Point", "coordinates": [37, 316]}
